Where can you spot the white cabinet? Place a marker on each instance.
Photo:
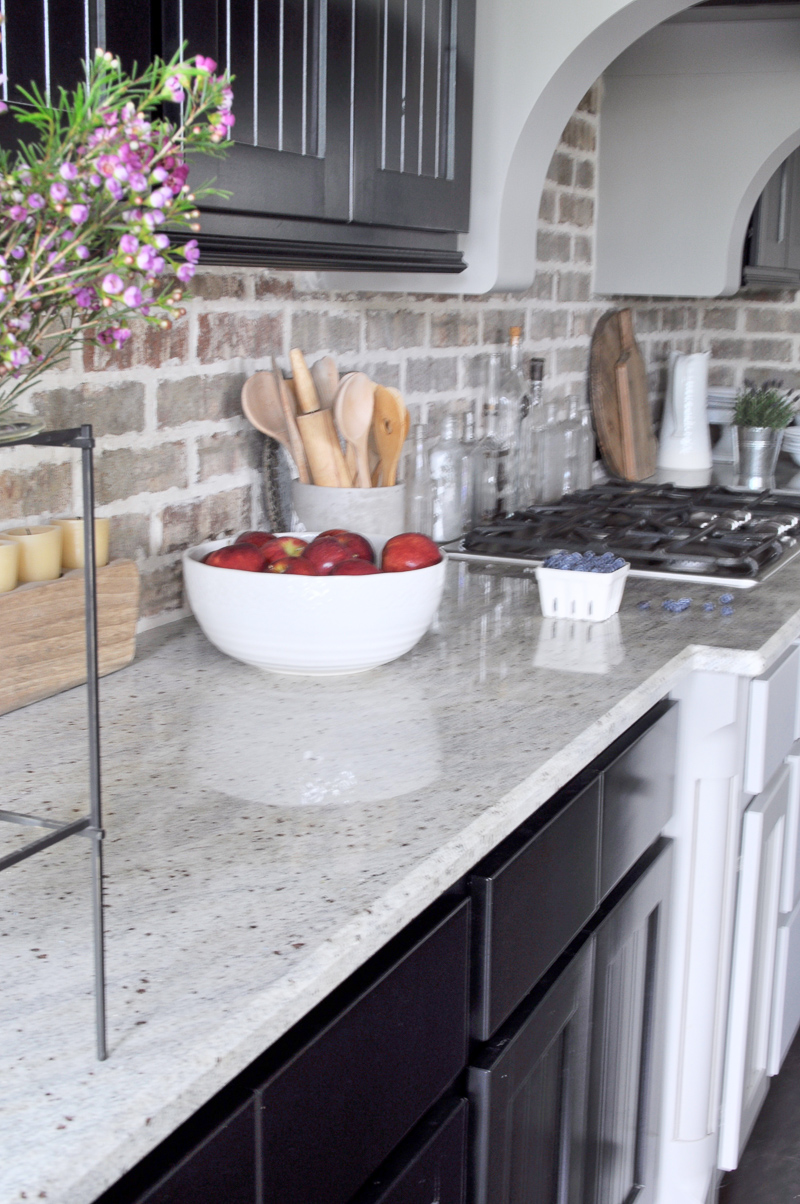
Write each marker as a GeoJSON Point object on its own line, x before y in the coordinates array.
{"type": "Point", "coordinates": [772, 719]}
{"type": "Point", "coordinates": [786, 1008]}
{"type": "Point", "coordinates": [753, 972]}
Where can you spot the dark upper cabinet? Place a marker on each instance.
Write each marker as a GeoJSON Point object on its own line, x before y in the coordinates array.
{"type": "Point", "coordinates": [772, 249]}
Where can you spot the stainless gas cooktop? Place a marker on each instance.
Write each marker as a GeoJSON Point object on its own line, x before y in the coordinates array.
{"type": "Point", "coordinates": [726, 536]}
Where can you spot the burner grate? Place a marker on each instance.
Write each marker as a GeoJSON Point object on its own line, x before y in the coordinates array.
{"type": "Point", "coordinates": [718, 533]}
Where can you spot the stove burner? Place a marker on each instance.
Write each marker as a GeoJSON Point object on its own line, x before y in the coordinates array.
{"type": "Point", "coordinates": [664, 528]}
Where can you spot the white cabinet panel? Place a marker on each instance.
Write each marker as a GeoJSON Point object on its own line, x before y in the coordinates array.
{"type": "Point", "coordinates": [786, 1008]}
{"type": "Point", "coordinates": [790, 885]}
{"type": "Point", "coordinates": [752, 978]}
{"type": "Point", "coordinates": [772, 719]}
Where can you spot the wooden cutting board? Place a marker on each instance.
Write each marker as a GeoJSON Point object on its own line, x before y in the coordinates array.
{"type": "Point", "coordinates": [42, 644]}
{"type": "Point", "coordinates": [619, 400]}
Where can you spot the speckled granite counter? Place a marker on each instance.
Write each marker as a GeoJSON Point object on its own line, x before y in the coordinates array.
{"type": "Point", "coordinates": [267, 834]}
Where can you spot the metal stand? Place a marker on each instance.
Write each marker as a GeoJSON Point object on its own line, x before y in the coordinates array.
{"type": "Point", "coordinates": [91, 824]}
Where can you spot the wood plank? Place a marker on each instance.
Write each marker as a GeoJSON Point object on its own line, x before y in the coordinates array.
{"type": "Point", "coordinates": [42, 648]}
{"type": "Point", "coordinates": [619, 398]}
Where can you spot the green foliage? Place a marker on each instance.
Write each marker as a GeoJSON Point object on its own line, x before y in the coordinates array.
{"type": "Point", "coordinates": [763, 405]}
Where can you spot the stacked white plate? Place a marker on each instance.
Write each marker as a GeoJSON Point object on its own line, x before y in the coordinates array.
{"type": "Point", "coordinates": [791, 442]}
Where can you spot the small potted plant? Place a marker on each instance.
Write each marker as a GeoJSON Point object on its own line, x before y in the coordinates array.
{"type": "Point", "coordinates": [760, 416]}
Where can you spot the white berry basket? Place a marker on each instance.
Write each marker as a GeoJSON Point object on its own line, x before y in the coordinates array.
{"type": "Point", "coordinates": [567, 594]}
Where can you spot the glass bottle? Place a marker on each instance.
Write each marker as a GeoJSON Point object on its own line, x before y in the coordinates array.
{"type": "Point", "coordinates": [552, 453]}
{"type": "Point", "coordinates": [493, 457]}
{"type": "Point", "coordinates": [450, 472]}
{"type": "Point", "coordinates": [512, 403]}
{"type": "Point", "coordinates": [531, 423]}
{"type": "Point", "coordinates": [419, 487]}
{"type": "Point", "coordinates": [586, 447]}
{"type": "Point", "coordinates": [570, 434]}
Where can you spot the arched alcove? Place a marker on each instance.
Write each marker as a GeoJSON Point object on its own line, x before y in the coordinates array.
{"type": "Point", "coordinates": [696, 118]}
{"type": "Point", "coordinates": [535, 59]}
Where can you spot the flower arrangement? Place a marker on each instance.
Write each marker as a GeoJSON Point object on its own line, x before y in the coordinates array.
{"type": "Point", "coordinates": [84, 209]}
{"type": "Point", "coordinates": [763, 405]}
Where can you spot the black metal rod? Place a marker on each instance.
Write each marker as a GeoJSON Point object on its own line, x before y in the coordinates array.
{"type": "Point", "coordinates": [93, 702]}
{"type": "Point", "coordinates": [44, 842]}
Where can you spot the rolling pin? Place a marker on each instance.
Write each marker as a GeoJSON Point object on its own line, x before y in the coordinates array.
{"type": "Point", "coordinates": [323, 451]}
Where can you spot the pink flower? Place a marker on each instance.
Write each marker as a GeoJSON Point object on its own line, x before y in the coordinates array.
{"type": "Point", "coordinates": [161, 241]}
{"type": "Point", "coordinates": [19, 357]}
{"type": "Point", "coordinates": [158, 266]}
{"type": "Point", "coordinates": [121, 173]}
{"type": "Point", "coordinates": [157, 199]}
{"type": "Point", "coordinates": [95, 180]}
{"type": "Point", "coordinates": [185, 272]}
{"type": "Point", "coordinates": [115, 188]}
{"type": "Point", "coordinates": [3, 107]}
{"type": "Point", "coordinates": [5, 276]}
{"type": "Point", "coordinates": [36, 201]}
{"type": "Point", "coordinates": [192, 251]}
{"type": "Point", "coordinates": [82, 252]}
{"type": "Point", "coordinates": [129, 244]}
{"type": "Point", "coordinates": [68, 171]}
{"type": "Point", "coordinates": [145, 258]}
{"type": "Point", "coordinates": [112, 284]}
{"type": "Point", "coordinates": [17, 252]}
{"type": "Point", "coordinates": [137, 181]}
{"type": "Point", "coordinates": [173, 86]}
{"type": "Point", "coordinates": [120, 335]}
{"type": "Point", "coordinates": [58, 193]}
{"type": "Point", "coordinates": [158, 175]}
{"type": "Point", "coordinates": [79, 214]}
{"type": "Point", "coordinates": [18, 212]}
{"type": "Point", "coordinates": [85, 297]}
{"type": "Point", "coordinates": [105, 337]}
{"type": "Point", "coordinates": [204, 64]}
{"type": "Point", "coordinates": [132, 297]}
{"type": "Point", "coordinates": [227, 99]}
{"type": "Point", "coordinates": [227, 119]}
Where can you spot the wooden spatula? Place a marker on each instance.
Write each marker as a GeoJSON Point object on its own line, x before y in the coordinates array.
{"type": "Point", "coordinates": [321, 443]}
{"type": "Point", "coordinates": [289, 410]}
{"type": "Point", "coordinates": [326, 378]}
{"type": "Point", "coordinates": [352, 409]}
{"type": "Point", "coordinates": [390, 426]}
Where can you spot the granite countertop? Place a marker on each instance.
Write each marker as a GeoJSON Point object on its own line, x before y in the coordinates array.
{"type": "Point", "coordinates": [267, 834]}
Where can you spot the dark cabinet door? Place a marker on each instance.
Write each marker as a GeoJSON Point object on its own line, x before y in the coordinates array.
{"type": "Point", "coordinates": [528, 1091]}
{"type": "Point", "coordinates": [412, 115]}
{"type": "Point", "coordinates": [625, 1059]}
{"type": "Point", "coordinates": [430, 1167]}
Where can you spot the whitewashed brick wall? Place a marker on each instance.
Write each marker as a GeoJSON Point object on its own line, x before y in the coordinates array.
{"type": "Point", "coordinates": [176, 461]}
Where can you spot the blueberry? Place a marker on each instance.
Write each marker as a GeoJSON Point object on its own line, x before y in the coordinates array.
{"type": "Point", "coordinates": [708, 606]}
{"type": "Point", "coordinates": [726, 610]}
{"type": "Point", "coordinates": [726, 597]}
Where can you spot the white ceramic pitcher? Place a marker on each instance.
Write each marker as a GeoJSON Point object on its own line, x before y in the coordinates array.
{"type": "Point", "coordinates": [685, 443]}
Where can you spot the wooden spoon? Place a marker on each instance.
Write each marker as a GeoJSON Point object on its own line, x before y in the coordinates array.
{"type": "Point", "coordinates": [325, 375]}
{"type": "Point", "coordinates": [390, 427]}
{"type": "Point", "coordinates": [262, 406]}
{"type": "Point", "coordinates": [353, 409]}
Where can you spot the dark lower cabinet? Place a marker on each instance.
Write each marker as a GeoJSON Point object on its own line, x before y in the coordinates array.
{"type": "Point", "coordinates": [625, 1065]}
{"type": "Point", "coordinates": [528, 1091]}
{"type": "Point", "coordinates": [430, 1167]}
{"type": "Point", "coordinates": [565, 1096]}
{"type": "Point", "coordinates": [223, 1167]}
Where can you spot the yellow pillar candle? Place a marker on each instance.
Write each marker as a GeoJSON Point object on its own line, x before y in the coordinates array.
{"type": "Point", "coordinates": [39, 552]}
{"type": "Point", "coordinates": [9, 565]}
{"type": "Point", "coordinates": [72, 545]}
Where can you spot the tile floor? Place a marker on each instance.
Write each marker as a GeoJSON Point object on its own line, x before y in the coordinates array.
{"type": "Point", "coordinates": [769, 1171]}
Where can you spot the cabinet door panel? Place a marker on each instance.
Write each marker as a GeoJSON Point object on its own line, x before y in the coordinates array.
{"type": "Point", "coordinates": [528, 1093]}
{"type": "Point", "coordinates": [413, 113]}
{"type": "Point", "coordinates": [222, 1168]}
{"type": "Point", "coordinates": [337, 1109]}
{"type": "Point", "coordinates": [752, 973]}
{"type": "Point", "coordinates": [625, 1059]}
{"type": "Point", "coordinates": [430, 1167]}
{"type": "Point", "coordinates": [771, 719]}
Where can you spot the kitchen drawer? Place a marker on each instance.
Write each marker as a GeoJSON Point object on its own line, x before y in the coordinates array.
{"type": "Point", "coordinates": [790, 884]}
{"type": "Point", "coordinates": [338, 1107]}
{"type": "Point", "coordinates": [430, 1166]}
{"type": "Point", "coordinates": [638, 789]}
{"type": "Point", "coordinates": [771, 720]}
{"type": "Point", "coordinates": [223, 1167]}
{"type": "Point", "coordinates": [786, 1002]}
{"type": "Point", "coordinates": [528, 1091]}
{"type": "Point", "coordinates": [531, 896]}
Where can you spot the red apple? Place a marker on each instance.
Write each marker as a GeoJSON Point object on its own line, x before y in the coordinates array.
{"type": "Point", "coordinates": [409, 551]}
{"type": "Point", "coordinates": [259, 539]}
{"type": "Point", "coordinates": [358, 547]}
{"type": "Point", "coordinates": [237, 556]}
{"type": "Point", "coordinates": [277, 566]}
{"type": "Point", "coordinates": [354, 568]}
{"type": "Point", "coordinates": [323, 554]}
{"type": "Point", "coordinates": [283, 546]}
{"type": "Point", "coordinates": [300, 567]}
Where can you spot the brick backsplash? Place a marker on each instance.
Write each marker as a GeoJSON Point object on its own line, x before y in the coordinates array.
{"type": "Point", "coordinates": [176, 461]}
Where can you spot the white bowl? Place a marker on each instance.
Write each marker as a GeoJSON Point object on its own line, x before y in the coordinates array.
{"type": "Point", "coordinates": [316, 626]}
